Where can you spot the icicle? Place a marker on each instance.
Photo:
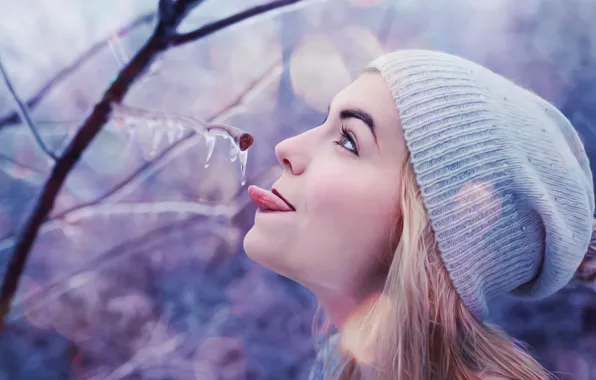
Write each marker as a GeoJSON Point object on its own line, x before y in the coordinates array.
{"type": "Point", "coordinates": [143, 137]}
{"type": "Point", "coordinates": [234, 149]}
{"type": "Point", "coordinates": [180, 130]}
{"type": "Point", "coordinates": [243, 155]}
{"type": "Point", "coordinates": [147, 125]}
{"type": "Point", "coordinates": [210, 145]}
{"type": "Point", "coordinates": [171, 131]}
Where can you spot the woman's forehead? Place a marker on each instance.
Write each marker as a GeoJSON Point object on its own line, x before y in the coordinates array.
{"type": "Point", "coordinates": [370, 93]}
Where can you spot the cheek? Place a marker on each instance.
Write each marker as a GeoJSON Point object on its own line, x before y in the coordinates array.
{"type": "Point", "coordinates": [357, 202]}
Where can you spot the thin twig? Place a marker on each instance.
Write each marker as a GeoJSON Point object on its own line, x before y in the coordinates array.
{"type": "Point", "coordinates": [213, 27]}
{"type": "Point", "coordinates": [157, 43]}
{"type": "Point", "coordinates": [54, 288]}
{"type": "Point", "coordinates": [163, 37]}
{"type": "Point", "coordinates": [24, 113]}
{"type": "Point", "coordinates": [13, 119]}
{"type": "Point", "coordinates": [135, 179]}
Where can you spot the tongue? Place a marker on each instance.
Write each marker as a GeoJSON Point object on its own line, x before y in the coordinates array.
{"type": "Point", "coordinates": [266, 200]}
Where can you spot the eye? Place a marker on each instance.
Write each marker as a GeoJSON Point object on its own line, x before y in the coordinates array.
{"type": "Point", "coordinates": [347, 141]}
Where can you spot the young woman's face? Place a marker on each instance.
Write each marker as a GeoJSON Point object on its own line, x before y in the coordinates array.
{"type": "Point", "coordinates": [344, 190]}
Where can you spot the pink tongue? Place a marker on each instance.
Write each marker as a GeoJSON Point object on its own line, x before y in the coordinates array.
{"type": "Point", "coordinates": [266, 200]}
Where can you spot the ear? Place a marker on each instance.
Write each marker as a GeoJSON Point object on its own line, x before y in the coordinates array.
{"type": "Point", "coordinates": [586, 273]}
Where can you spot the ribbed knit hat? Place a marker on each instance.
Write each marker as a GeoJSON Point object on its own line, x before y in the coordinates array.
{"type": "Point", "coordinates": [504, 176]}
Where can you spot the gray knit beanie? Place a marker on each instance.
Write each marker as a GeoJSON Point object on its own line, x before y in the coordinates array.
{"type": "Point", "coordinates": [504, 176]}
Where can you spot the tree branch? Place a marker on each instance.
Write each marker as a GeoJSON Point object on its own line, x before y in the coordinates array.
{"type": "Point", "coordinates": [66, 71]}
{"type": "Point", "coordinates": [149, 168]}
{"type": "Point", "coordinates": [213, 27]}
{"type": "Point", "coordinates": [135, 179]}
{"type": "Point", "coordinates": [54, 288]}
{"type": "Point", "coordinates": [24, 114]}
{"type": "Point", "coordinates": [156, 44]}
{"type": "Point", "coordinates": [162, 38]}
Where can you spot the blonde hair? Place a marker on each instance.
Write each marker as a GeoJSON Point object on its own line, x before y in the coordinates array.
{"type": "Point", "coordinates": [424, 331]}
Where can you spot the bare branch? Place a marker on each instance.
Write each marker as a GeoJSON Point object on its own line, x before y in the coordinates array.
{"type": "Point", "coordinates": [171, 121]}
{"type": "Point", "coordinates": [13, 119]}
{"type": "Point", "coordinates": [24, 113]}
{"type": "Point", "coordinates": [132, 182]}
{"type": "Point", "coordinates": [157, 43]}
{"type": "Point", "coordinates": [53, 289]}
{"type": "Point", "coordinates": [163, 37]}
{"type": "Point", "coordinates": [131, 208]}
{"type": "Point", "coordinates": [213, 27]}
{"type": "Point", "coordinates": [135, 179]}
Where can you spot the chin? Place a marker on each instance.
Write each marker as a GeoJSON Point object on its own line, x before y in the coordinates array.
{"type": "Point", "coordinates": [263, 251]}
{"type": "Point", "coordinates": [257, 248]}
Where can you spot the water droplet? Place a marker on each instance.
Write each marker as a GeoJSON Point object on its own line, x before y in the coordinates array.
{"type": "Point", "coordinates": [523, 228]}
{"type": "Point", "coordinates": [552, 166]}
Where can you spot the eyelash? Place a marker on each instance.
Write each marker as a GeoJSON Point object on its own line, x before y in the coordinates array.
{"type": "Point", "coordinates": [345, 134]}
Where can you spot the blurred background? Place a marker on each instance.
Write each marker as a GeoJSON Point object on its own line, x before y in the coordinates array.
{"type": "Point", "coordinates": [140, 273]}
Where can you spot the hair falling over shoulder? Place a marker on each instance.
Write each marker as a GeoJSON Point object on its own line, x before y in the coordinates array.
{"type": "Point", "coordinates": [419, 329]}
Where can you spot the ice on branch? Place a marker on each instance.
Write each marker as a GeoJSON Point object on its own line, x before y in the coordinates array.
{"type": "Point", "coordinates": [147, 127]}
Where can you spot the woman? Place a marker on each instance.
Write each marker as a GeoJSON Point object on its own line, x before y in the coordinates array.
{"type": "Point", "coordinates": [433, 186]}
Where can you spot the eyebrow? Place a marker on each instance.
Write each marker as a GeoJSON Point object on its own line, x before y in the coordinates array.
{"type": "Point", "coordinates": [360, 115]}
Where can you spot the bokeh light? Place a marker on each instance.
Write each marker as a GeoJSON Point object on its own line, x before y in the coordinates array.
{"type": "Point", "coordinates": [358, 46]}
{"type": "Point", "coordinates": [240, 62]}
{"type": "Point", "coordinates": [75, 310]}
{"type": "Point", "coordinates": [318, 72]}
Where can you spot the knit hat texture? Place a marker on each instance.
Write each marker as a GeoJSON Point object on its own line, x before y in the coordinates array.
{"type": "Point", "coordinates": [504, 176]}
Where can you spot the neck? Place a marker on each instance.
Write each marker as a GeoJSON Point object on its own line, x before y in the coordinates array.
{"type": "Point", "coordinates": [344, 309]}
{"type": "Point", "coordinates": [339, 307]}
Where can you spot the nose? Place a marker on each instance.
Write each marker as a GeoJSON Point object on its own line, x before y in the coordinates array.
{"type": "Point", "coordinates": [292, 154]}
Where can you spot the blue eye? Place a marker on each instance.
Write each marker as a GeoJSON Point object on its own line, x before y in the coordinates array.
{"type": "Point", "coordinates": [346, 138]}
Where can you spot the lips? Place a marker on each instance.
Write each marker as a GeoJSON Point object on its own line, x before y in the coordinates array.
{"type": "Point", "coordinates": [269, 200]}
